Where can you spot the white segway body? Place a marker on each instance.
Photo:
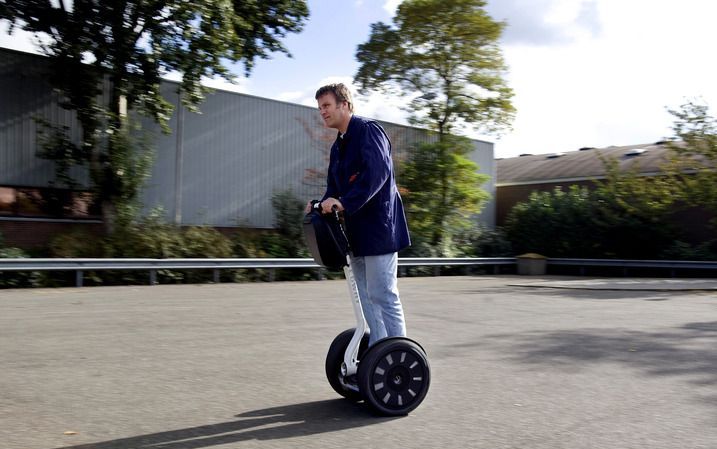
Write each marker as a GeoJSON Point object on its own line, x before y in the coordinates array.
{"type": "Point", "coordinates": [393, 375]}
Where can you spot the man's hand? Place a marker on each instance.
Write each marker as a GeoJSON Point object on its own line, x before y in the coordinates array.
{"type": "Point", "coordinates": [328, 204]}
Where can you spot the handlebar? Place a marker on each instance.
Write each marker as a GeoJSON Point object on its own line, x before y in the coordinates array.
{"type": "Point", "coordinates": [316, 205]}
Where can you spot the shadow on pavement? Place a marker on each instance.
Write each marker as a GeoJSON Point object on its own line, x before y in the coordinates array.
{"type": "Point", "coordinates": [643, 295]}
{"type": "Point", "coordinates": [690, 350]}
{"type": "Point", "coordinates": [269, 424]}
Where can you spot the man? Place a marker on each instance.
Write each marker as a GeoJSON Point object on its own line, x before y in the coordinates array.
{"type": "Point", "coordinates": [361, 183]}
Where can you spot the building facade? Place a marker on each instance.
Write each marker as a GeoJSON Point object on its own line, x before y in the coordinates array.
{"type": "Point", "coordinates": [217, 168]}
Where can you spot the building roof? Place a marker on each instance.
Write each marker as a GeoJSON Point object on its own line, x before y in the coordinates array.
{"type": "Point", "coordinates": [583, 164]}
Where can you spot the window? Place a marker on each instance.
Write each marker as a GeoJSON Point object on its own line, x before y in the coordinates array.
{"type": "Point", "coordinates": [47, 203]}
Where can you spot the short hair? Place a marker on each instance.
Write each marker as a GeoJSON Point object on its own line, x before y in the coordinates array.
{"type": "Point", "coordinates": [340, 91]}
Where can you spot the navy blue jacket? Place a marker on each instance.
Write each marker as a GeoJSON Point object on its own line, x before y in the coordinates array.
{"type": "Point", "coordinates": [361, 177]}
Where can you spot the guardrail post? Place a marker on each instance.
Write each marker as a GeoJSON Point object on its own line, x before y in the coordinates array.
{"type": "Point", "coordinates": [215, 273]}
{"type": "Point", "coordinates": [78, 278]}
{"type": "Point", "coordinates": [152, 277]}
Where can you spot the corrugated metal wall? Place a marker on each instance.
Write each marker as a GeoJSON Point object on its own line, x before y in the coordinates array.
{"type": "Point", "coordinates": [27, 99]}
{"type": "Point", "coordinates": [220, 167]}
{"type": "Point", "coordinates": [25, 96]}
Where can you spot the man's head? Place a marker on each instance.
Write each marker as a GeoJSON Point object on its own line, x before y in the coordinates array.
{"type": "Point", "coordinates": [335, 106]}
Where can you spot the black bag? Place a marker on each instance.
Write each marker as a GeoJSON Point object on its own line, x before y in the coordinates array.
{"type": "Point", "coordinates": [327, 242]}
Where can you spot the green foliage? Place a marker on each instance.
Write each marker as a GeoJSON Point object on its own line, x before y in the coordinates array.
{"type": "Point", "coordinates": [620, 219]}
{"type": "Point", "coordinates": [149, 237]}
{"type": "Point", "coordinates": [693, 166]}
{"type": "Point", "coordinates": [442, 191]}
{"type": "Point", "coordinates": [286, 240]}
{"type": "Point", "coordinates": [289, 241]}
{"type": "Point", "coordinates": [486, 242]}
{"type": "Point", "coordinates": [555, 224]}
{"type": "Point", "coordinates": [445, 55]}
{"type": "Point", "coordinates": [128, 165]}
{"type": "Point", "coordinates": [685, 251]}
{"type": "Point", "coordinates": [76, 243]}
{"type": "Point", "coordinates": [205, 242]}
{"type": "Point", "coordinates": [632, 213]}
{"type": "Point", "coordinates": [17, 279]}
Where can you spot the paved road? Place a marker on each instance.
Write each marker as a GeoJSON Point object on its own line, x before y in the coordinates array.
{"type": "Point", "coordinates": [516, 363]}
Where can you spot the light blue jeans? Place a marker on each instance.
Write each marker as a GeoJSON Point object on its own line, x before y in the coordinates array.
{"type": "Point", "coordinates": [376, 278]}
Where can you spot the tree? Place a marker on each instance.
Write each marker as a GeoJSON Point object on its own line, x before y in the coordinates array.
{"type": "Point", "coordinates": [442, 191]}
{"type": "Point", "coordinates": [693, 165]}
{"type": "Point", "coordinates": [632, 213]}
{"type": "Point", "coordinates": [445, 54]}
{"type": "Point", "coordinates": [131, 44]}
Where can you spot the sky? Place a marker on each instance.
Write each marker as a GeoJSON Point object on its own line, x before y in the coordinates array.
{"type": "Point", "coordinates": [585, 73]}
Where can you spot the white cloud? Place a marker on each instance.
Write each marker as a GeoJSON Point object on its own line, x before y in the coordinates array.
{"type": "Point", "coordinates": [390, 6]}
{"type": "Point", "coordinates": [292, 96]}
{"type": "Point", "coordinates": [546, 22]}
{"type": "Point", "coordinates": [241, 85]}
{"type": "Point", "coordinates": [613, 87]}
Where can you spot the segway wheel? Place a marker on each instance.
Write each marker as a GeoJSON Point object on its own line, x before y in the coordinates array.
{"type": "Point", "coordinates": [394, 376]}
{"type": "Point", "coordinates": [334, 359]}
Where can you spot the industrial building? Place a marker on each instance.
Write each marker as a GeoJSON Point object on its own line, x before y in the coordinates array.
{"type": "Point", "coordinates": [518, 177]}
{"type": "Point", "coordinates": [217, 168]}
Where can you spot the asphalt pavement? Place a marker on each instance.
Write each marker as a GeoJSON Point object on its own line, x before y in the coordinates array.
{"type": "Point", "coordinates": [516, 362]}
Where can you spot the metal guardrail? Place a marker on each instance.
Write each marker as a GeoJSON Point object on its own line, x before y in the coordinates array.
{"type": "Point", "coordinates": [79, 265]}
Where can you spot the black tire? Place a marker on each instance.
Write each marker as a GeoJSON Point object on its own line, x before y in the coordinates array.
{"type": "Point", "coordinates": [334, 359]}
{"type": "Point", "coordinates": [394, 376]}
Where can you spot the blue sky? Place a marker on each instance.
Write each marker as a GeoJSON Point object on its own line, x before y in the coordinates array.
{"type": "Point", "coordinates": [584, 72]}
{"type": "Point", "coordinates": [325, 48]}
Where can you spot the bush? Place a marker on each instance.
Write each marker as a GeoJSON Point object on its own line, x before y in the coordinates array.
{"type": "Point", "coordinates": [685, 251]}
{"type": "Point", "coordinates": [16, 279]}
{"type": "Point", "coordinates": [590, 224]}
{"type": "Point", "coordinates": [288, 238]}
{"type": "Point", "coordinates": [556, 224]}
{"type": "Point", "coordinates": [491, 243]}
{"type": "Point", "coordinates": [76, 243]}
{"type": "Point", "coordinates": [150, 237]}
{"type": "Point", "coordinates": [153, 237]}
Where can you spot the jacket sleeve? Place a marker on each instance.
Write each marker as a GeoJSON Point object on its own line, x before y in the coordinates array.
{"type": "Point", "coordinates": [375, 169]}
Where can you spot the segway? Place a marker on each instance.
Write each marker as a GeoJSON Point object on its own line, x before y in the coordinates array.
{"type": "Point", "coordinates": [393, 375]}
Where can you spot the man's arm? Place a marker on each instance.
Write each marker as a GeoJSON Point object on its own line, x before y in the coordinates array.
{"type": "Point", "coordinates": [374, 172]}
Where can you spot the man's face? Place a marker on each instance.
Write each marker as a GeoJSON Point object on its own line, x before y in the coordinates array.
{"type": "Point", "coordinates": [333, 113]}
